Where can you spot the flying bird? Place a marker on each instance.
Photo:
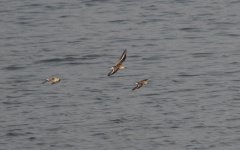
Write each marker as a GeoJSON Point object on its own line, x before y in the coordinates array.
{"type": "Point", "coordinates": [119, 65]}
{"type": "Point", "coordinates": [140, 84]}
{"type": "Point", "coordinates": [52, 80]}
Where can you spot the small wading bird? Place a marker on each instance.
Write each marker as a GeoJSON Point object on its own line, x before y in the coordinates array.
{"type": "Point", "coordinates": [119, 64]}
{"type": "Point", "coordinates": [140, 84]}
{"type": "Point", "coordinates": [52, 80]}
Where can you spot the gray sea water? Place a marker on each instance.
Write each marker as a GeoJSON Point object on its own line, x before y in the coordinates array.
{"type": "Point", "coordinates": [188, 49]}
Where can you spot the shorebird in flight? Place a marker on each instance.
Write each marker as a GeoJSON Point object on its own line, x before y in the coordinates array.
{"type": "Point", "coordinates": [140, 84]}
{"type": "Point", "coordinates": [52, 80]}
{"type": "Point", "coordinates": [119, 64]}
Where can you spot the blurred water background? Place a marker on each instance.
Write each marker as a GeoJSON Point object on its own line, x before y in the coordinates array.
{"type": "Point", "coordinates": [189, 50]}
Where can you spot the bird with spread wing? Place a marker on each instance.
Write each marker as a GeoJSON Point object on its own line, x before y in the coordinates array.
{"type": "Point", "coordinates": [140, 84]}
{"type": "Point", "coordinates": [119, 65]}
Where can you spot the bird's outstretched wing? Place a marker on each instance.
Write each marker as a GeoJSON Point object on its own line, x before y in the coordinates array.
{"type": "Point", "coordinates": [122, 58]}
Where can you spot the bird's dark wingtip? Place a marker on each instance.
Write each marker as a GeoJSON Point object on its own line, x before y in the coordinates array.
{"type": "Point", "coordinates": [134, 88]}
{"type": "Point", "coordinates": [44, 81]}
{"type": "Point", "coordinates": [109, 74]}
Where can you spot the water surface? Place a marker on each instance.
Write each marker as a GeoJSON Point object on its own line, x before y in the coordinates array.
{"type": "Point", "coordinates": [188, 49]}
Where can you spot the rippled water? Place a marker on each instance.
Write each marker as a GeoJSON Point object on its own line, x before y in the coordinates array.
{"type": "Point", "coordinates": [188, 49]}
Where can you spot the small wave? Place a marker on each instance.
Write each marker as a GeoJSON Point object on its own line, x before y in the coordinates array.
{"type": "Point", "coordinates": [57, 60]}
{"type": "Point", "coordinates": [188, 75]}
{"type": "Point", "coordinates": [119, 120]}
{"type": "Point", "coordinates": [32, 138]}
{"type": "Point", "coordinates": [70, 59]}
{"type": "Point", "coordinates": [91, 56]}
{"type": "Point", "coordinates": [206, 54]}
{"type": "Point", "coordinates": [11, 102]}
{"type": "Point", "coordinates": [13, 67]}
{"type": "Point", "coordinates": [190, 29]}
{"type": "Point", "coordinates": [14, 133]}
{"type": "Point", "coordinates": [119, 21]}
